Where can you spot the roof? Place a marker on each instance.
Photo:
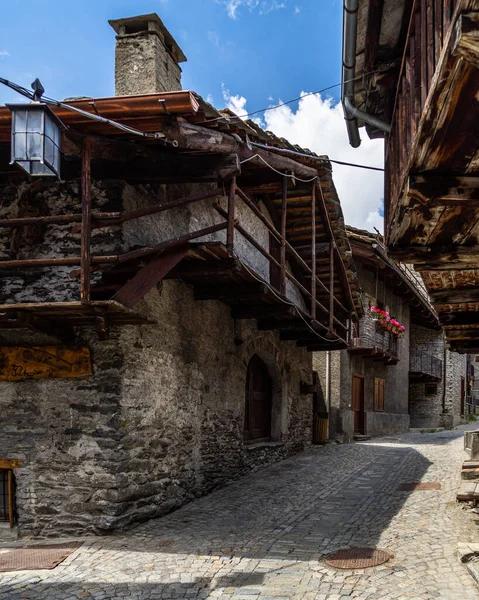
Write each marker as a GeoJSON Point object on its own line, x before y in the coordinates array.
{"type": "Point", "coordinates": [369, 247]}
{"type": "Point", "coordinates": [170, 111]}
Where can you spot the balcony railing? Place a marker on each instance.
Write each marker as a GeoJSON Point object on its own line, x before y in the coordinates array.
{"type": "Point", "coordinates": [428, 28]}
{"type": "Point", "coordinates": [424, 367]}
{"type": "Point", "coordinates": [377, 344]}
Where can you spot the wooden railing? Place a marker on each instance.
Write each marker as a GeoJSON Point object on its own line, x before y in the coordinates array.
{"type": "Point", "coordinates": [429, 25]}
{"type": "Point", "coordinates": [288, 253]}
{"type": "Point", "coordinates": [88, 220]}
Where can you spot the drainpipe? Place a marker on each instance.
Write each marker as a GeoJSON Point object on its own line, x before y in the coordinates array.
{"type": "Point", "coordinates": [351, 112]}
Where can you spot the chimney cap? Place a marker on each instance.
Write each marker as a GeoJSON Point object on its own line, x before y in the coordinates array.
{"type": "Point", "coordinates": [131, 25]}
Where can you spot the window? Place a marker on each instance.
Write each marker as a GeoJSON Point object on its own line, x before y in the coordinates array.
{"type": "Point", "coordinates": [259, 401]}
{"type": "Point", "coordinates": [378, 394]}
{"type": "Point", "coordinates": [431, 389]}
{"type": "Point", "coordinates": [6, 496]}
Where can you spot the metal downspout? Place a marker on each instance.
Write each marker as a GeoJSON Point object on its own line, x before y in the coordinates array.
{"type": "Point", "coordinates": [351, 112]}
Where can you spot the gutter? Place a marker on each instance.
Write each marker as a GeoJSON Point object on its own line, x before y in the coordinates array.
{"type": "Point", "coordinates": [351, 113]}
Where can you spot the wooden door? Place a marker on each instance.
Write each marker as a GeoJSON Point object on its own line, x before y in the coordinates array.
{"type": "Point", "coordinates": [259, 401]}
{"type": "Point", "coordinates": [463, 394]}
{"type": "Point", "coordinates": [357, 403]}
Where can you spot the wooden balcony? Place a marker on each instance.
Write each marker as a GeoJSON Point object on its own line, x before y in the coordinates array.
{"type": "Point", "coordinates": [424, 367]}
{"type": "Point", "coordinates": [378, 346]}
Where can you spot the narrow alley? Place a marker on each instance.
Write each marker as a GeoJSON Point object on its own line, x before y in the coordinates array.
{"type": "Point", "coordinates": [265, 537]}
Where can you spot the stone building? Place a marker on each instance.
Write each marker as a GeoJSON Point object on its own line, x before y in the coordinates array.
{"type": "Point", "coordinates": [160, 302]}
{"type": "Point", "coordinates": [366, 385]}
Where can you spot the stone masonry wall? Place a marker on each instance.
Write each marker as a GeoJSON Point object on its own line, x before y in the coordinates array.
{"type": "Point", "coordinates": [160, 421]}
{"type": "Point", "coordinates": [395, 417]}
{"type": "Point", "coordinates": [144, 66]}
{"type": "Point", "coordinates": [428, 411]}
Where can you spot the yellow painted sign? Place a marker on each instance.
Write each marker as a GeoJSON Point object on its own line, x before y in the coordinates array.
{"type": "Point", "coordinates": [43, 362]}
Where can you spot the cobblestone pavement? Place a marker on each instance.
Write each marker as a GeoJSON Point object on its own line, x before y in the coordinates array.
{"type": "Point", "coordinates": [265, 536]}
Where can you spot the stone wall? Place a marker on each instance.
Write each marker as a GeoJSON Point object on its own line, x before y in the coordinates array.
{"type": "Point", "coordinates": [395, 417]}
{"type": "Point", "coordinates": [442, 409]}
{"type": "Point", "coordinates": [143, 65]}
{"type": "Point", "coordinates": [160, 421]}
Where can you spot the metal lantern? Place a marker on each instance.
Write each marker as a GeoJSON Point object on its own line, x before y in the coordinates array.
{"type": "Point", "coordinates": [36, 139]}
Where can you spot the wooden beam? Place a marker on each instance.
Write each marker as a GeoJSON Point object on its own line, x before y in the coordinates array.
{"type": "Point", "coordinates": [85, 264]}
{"type": "Point", "coordinates": [455, 296]}
{"type": "Point", "coordinates": [313, 251]}
{"type": "Point", "coordinates": [459, 318]}
{"type": "Point", "coordinates": [230, 231]}
{"type": "Point", "coordinates": [197, 137]}
{"type": "Point", "coordinates": [466, 44]}
{"type": "Point", "coordinates": [441, 189]}
{"type": "Point", "coordinates": [135, 289]}
{"type": "Point", "coordinates": [284, 214]}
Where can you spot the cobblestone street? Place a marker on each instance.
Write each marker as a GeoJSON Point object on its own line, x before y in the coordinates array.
{"type": "Point", "coordinates": [265, 536]}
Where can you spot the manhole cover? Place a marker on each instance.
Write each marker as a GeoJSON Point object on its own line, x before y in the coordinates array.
{"type": "Point", "coordinates": [357, 558]}
{"type": "Point", "coordinates": [429, 485]}
{"type": "Point", "coordinates": [35, 557]}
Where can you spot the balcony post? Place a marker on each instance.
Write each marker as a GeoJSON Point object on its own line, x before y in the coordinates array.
{"type": "Point", "coordinates": [230, 231]}
{"type": "Point", "coordinates": [313, 252]}
{"type": "Point", "coordinates": [284, 210]}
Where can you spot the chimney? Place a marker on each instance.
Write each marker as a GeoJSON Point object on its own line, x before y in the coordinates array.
{"type": "Point", "coordinates": [146, 57]}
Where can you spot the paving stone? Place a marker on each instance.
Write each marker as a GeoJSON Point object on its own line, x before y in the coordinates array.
{"type": "Point", "coordinates": [265, 536]}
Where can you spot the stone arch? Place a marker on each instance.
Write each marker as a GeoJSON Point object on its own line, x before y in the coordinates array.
{"type": "Point", "coordinates": [269, 353]}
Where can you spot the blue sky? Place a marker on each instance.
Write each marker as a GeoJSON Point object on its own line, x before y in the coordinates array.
{"type": "Point", "coordinates": [261, 51]}
{"type": "Point", "coordinates": [274, 49]}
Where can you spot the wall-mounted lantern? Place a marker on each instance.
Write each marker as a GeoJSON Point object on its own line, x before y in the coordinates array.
{"type": "Point", "coordinates": [36, 135]}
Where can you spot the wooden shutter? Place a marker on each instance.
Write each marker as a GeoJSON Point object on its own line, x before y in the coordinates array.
{"type": "Point", "coordinates": [378, 394]}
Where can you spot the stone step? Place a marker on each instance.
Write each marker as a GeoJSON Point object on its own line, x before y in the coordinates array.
{"type": "Point", "coordinates": [361, 438]}
{"type": "Point", "coordinates": [470, 464]}
{"type": "Point", "coordinates": [469, 490]}
{"type": "Point", "coordinates": [470, 474]}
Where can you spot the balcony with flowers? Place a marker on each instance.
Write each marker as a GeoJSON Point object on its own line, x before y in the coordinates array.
{"type": "Point", "coordinates": [377, 336]}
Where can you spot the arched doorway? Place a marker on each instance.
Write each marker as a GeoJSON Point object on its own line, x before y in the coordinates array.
{"type": "Point", "coordinates": [258, 401]}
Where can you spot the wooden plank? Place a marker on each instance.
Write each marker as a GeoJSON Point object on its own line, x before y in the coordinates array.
{"type": "Point", "coordinates": [438, 29]}
{"type": "Point", "coordinates": [85, 264]}
{"type": "Point", "coordinates": [10, 464]}
{"type": "Point", "coordinates": [135, 289]}
{"type": "Point", "coordinates": [41, 362]}
{"type": "Point", "coordinates": [11, 516]}
{"type": "Point", "coordinates": [424, 80]}
{"type": "Point", "coordinates": [467, 42]}
{"type": "Point", "coordinates": [230, 231]}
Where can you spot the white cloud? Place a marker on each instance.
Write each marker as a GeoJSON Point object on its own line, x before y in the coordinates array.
{"type": "Point", "coordinates": [318, 124]}
{"type": "Point", "coordinates": [262, 6]}
{"type": "Point", "coordinates": [210, 99]}
{"type": "Point", "coordinates": [297, 10]}
{"type": "Point", "coordinates": [235, 103]}
{"type": "Point", "coordinates": [4, 53]}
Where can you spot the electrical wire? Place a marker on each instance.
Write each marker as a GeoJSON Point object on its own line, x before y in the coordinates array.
{"type": "Point", "coordinates": [312, 157]}
{"type": "Point", "coordinates": [262, 110]}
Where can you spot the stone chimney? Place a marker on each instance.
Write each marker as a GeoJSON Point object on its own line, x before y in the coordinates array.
{"type": "Point", "coordinates": [146, 57]}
